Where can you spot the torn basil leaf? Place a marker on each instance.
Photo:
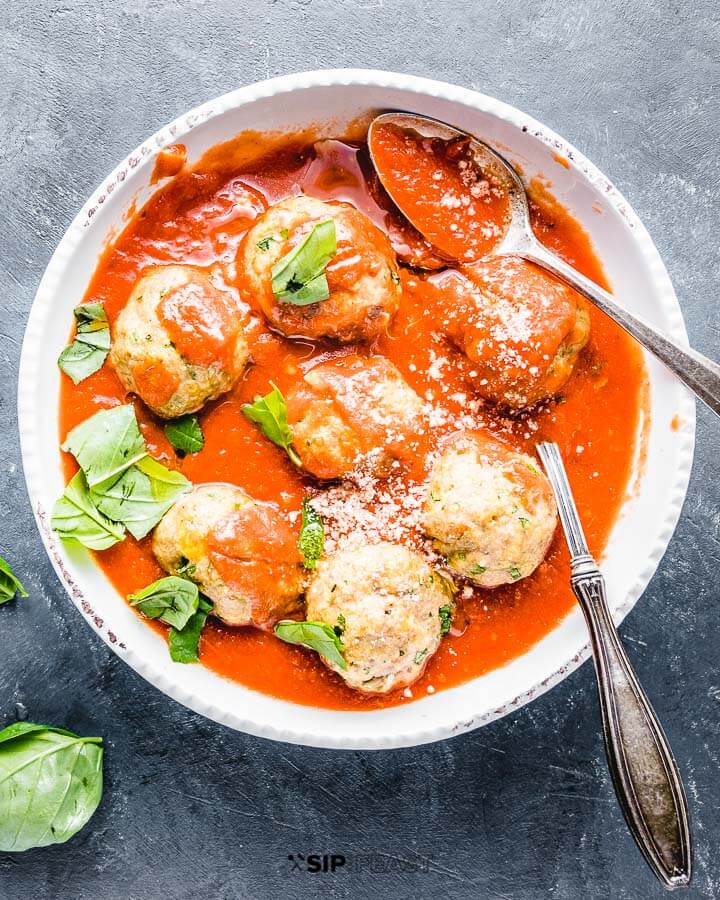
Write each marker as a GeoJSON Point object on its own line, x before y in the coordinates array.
{"type": "Point", "coordinates": [75, 518]}
{"type": "Point", "coordinates": [141, 496]}
{"type": "Point", "coordinates": [316, 636]}
{"type": "Point", "coordinates": [173, 600]}
{"type": "Point", "coordinates": [185, 434]}
{"type": "Point", "coordinates": [10, 584]}
{"type": "Point", "coordinates": [106, 444]}
{"type": "Point", "coordinates": [299, 277]}
{"type": "Point", "coordinates": [88, 351]}
{"type": "Point", "coordinates": [269, 413]}
{"type": "Point", "coordinates": [184, 643]}
{"type": "Point", "coordinates": [312, 536]}
{"type": "Point", "coordinates": [51, 783]}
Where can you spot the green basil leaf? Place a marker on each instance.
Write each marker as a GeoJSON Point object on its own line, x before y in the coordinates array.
{"type": "Point", "coordinates": [446, 616]}
{"type": "Point", "coordinates": [76, 518]}
{"type": "Point", "coordinates": [269, 413]}
{"type": "Point", "coordinates": [90, 317]}
{"type": "Point", "coordinates": [50, 784]}
{"type": "Point", "coordinates": [173, 600]}
{"type": "Point", "coordinates": [184, 644]}
{"type": "Point", "coordinates": [316, 635]}
{"type": "Point", "coordinates": [9, 583]}
{"type": "Point", "coordinates": [312, 536]}
{"type": "Point", "coordinates": [141, 496]}
{"type": "Point", "coordinates": [185, 434]}
{"type": "Point", "coordinates": [89, 350]}
{"type": "Point", "coordinates": [106, 444]}
{"type": "Point", "coordinates": [299, 277]}
{"type": "Point", "coordinates": [18, 728]}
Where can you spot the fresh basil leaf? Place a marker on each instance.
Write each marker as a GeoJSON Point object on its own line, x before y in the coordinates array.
{"type": "Point", "coordinates": [269, 413]}
{"type": "Point", "coordinates": [173, 600]}
{"type": "Point", "coordinates": [106, 444]}
{"type": "Point", "coordinates": [446, 616]}
{"type": "Point", "coordinates": [185, 434]}
{"type": "Point", "coordinates": [316, 635]}
{"type": "Point", "coordinates": [50, 784]}
{"type": "Point", "coordinates": [184, 644]}
{"type": "Point", "coordinates": [299, 277]}
{"type": "Point", "coordinates": [87, 353]}
{"type": "Point", "coordinates": [90, 317]}
{"type": "Point", "coordinates": [99, 340]}
{"type": "Point", "coordinates": [18, 728]}
{"type": "Point", "coordinates": [141, 496]}
{"type": "Point", "coordinates": [76, 518]}
{"type": "Point", "coordinates": [79, 361]}
{"type": "Point", "coordinates": [312, 536]}
{"type": "Point", "coordinates": [9, 583]}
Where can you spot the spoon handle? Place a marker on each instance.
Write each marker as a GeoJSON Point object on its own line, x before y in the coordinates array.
{"type": "Point", "coordinates": [699, 373]}
{"type": "Point", "coordinates": [645, 774]}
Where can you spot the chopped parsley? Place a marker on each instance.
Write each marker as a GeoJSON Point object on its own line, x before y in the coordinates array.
{"type": "Point", "coordinates": [311, 542]}
{"type": "Point", "coordinates": [445, 613]}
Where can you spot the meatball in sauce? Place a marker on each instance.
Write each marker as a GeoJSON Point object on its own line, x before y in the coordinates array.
{"type": "Point", "coordinates": [362, 276]}
{"type": "Point", "coordinates": [352, 407]}
{"type": "Point", "coordinates": [178, 342]}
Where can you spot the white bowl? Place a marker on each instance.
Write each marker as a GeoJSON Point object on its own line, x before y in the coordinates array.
{"type": "Point", "coordinates": [636, 273]}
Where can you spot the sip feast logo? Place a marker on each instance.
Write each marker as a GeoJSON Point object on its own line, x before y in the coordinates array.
{"type": "Point", "coordinates": [316, 862]}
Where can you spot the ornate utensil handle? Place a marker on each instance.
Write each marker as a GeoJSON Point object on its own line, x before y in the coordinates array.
{"type": "Point", "coordinates": [644, 772]}
{"type": "Point", "coordinates": [646, 777]}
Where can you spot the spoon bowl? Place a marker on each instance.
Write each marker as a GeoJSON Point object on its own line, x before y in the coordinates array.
{"type": "Point", "coordinates": [700, 374]}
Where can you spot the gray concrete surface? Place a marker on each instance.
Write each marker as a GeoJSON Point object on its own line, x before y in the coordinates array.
{"type": "Point", "coordinates": [523, 808]}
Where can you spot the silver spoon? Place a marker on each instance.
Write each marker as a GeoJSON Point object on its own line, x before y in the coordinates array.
{"type": "Point", "coordinates": [646, 777]}
{"type": "Point", "coordinates": [699, 373]}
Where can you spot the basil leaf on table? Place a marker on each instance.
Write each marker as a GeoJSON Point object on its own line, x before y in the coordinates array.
{"type": "Point", "coordinates": [76, 518]}
{"type": "Point", "coordinates": [89, 350]}
{"type": "Point", "coordinates": [173, 600]}
{"type": "Point", "coordinates": [185, 434]}
{"type": "Point", "coordinates": [106, 444]}
{"type": "Point", "coordinates": [50, 784]}
{"type": "Point", "coordinates": [184, 644]}
{"type": "Point", "coordinates": [311, 542]}
{"type": "Point", "coordinates": [141, 496]}
{"type": "Point", "coordinates": [299, 277]}
{"type": "Point", "coordinates": [10, 584]}
{"type": "Point", "coordinates": [269, 413]}
{"type": "Point", "coordinates": [316, 635]}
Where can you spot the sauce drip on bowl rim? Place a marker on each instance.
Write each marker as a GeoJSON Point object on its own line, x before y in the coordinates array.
{"type": "Point", "coordinates": [199, 218]}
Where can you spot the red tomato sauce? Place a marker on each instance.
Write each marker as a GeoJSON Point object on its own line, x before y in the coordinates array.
{"type": "Point", "coordinates": [199, 217]}
{"type": "Point", "coordinates": [461, 210]}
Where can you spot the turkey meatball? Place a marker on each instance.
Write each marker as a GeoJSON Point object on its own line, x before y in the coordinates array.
{"type": "Point", "coordinates": [489, 510]}
{"type": "Point", "coordinates": [349, 408]}
{"type": "Point", "coordinates": [241, 553]}
{"type": "Point", "coordinates": [362, 275]}
{"type": "Point", "coordinates": [385, 601]}
{"type": "Point", "coordinates": [521, 328]}
{"type": "Point", "coordinates": [178, 342]}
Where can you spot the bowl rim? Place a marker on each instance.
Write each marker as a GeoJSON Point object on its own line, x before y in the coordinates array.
{"type": "Point", "coordinates": [143, 156]}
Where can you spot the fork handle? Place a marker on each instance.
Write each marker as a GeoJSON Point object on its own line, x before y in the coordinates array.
{"type": "Point", "coordinates": [700, 374]}
{"type": "Point", "coordinates": [646, 777]}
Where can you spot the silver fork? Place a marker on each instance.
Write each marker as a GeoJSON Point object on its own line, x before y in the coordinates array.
{"type": "Point", "coordinates": [645, 774]}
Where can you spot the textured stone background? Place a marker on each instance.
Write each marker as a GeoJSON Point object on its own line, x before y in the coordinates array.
{"type": "Point", "coordinates": [523, 808]}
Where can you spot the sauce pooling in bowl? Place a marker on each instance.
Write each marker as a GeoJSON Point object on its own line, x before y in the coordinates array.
{"type": "Point", "coordinates": [199, 218]}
